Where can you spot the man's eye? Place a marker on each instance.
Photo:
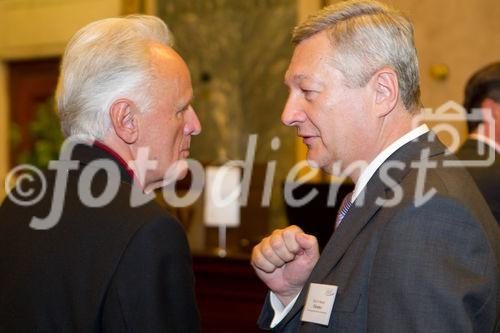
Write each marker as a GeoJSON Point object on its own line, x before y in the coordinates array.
{"type": "Point", "coordinates": [309, 94]}
{"type": "Point", "coordinates": [184, 109]}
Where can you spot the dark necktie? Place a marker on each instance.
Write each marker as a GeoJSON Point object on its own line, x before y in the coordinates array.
{"type": "Point", "coordinates": [344, 207]}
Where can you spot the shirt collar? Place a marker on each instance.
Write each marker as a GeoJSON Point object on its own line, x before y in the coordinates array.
{"type": "Point", "coordinates": [368, 172]}
{"type": "Point", "coordinates": [118, 159]}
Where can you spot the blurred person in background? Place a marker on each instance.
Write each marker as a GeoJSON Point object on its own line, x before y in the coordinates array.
{"type": "Point", "coordinates": [482, 93]}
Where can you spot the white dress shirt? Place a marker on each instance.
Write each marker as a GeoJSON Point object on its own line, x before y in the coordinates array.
{"type": "Point", "coordinates": [280, 311]}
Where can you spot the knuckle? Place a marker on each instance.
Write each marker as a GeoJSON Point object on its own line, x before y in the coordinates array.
{"type": "Point", "coordinates": [288, 233]}
{"type": "Point", "coordinates": [276, 243]}
{"type": "Point", "coordinates": [292, 245]}
{"type": "Point", "coordinates": [276, 233]}
{"type": "Point", "coordinates": [268, 252]}
{"type": "Point", "coordinates": [292, 230]}
{"type": "Point", "coordinates": [259, 261]}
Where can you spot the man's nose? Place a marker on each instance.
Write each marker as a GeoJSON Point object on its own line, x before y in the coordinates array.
{"type": "Point", "coordinates": [193, 126]}
{"type": "Point", "coordinates": [293, 112]}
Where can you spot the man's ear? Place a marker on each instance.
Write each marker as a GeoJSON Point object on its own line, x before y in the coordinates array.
{"type": "Point", "coordinates": [386, 88]}
{"type": "Point", "coordinates": [123, 114]}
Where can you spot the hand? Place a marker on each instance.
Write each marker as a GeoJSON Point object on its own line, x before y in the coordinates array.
{"type": "Point", "coordinates": [284, 260]}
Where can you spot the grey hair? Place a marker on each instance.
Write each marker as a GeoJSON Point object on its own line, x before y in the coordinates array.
{"type": "Point", "coordinates": [104, 61]}
{"type": "Point", "coordinates": [368, 36]}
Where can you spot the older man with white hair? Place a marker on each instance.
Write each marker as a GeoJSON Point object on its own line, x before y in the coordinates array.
{"type": "Point", "coordinates": [106, 263]}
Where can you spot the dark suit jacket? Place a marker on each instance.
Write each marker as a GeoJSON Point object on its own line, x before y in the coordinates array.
{"type": "Point", "coordinates": [106, 269]}
{"type": "Point", "coordinates": [487, 178]}
{"type": "Point", "coordinates": [409, 268]}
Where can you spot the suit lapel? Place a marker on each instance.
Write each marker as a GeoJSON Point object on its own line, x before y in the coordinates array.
{"type": "Point", "coordinates": [359, 215]}
{"type": "Point", "coordinates": [366, 205]}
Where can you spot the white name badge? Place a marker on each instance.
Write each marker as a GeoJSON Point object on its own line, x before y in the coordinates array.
{"type": "Point", "coordinates": [319, 303]}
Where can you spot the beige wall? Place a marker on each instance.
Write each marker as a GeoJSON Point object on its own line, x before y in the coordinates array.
{"type": "Point", "coordinates": [40, 28]}
{"type": "Point", "coordinates": [461, 34]}
{"type": "Point", "coordinates": [31, 29]}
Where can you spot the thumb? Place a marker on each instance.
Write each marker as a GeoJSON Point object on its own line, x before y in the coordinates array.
{"type": "Point", "coordinates": [308, 243]}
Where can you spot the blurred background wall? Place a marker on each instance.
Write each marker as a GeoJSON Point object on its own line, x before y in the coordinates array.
{"type": "Point", "coordinates": [32, 30]}
{"type": "Point", "coordinates": [238, 52]}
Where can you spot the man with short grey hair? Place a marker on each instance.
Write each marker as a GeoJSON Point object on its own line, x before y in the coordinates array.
{"type": "Point", "coordinates": [415, 247]}
{"type": "Point", "coordinates": [93, 253]}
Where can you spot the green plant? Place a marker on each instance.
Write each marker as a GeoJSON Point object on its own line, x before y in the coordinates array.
{"type": "Point", "coordinates": [45, 134]}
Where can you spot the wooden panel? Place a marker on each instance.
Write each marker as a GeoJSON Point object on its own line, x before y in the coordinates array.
{"type": "Point", "coordinates": [229, 294]}
{"type": "Point", "coordinates": [30, 83]}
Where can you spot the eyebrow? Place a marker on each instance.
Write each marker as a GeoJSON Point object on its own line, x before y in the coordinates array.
{"type": "Point", "coordinates": [300, 77]}
{"type": "Point", "coordinates": [296, 78]}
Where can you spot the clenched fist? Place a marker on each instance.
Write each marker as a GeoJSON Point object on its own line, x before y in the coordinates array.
{"type": "Point", "coordinates": [284, 260]}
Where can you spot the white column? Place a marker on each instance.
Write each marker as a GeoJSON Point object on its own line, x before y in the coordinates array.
{"type": "Point", "coordinates": [4, 128]}
{"type": "Point", "coordinates": [150, 7]}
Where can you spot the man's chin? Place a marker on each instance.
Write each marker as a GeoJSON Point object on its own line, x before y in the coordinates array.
{"type": "Point", "coordinates": [182, 174]}
{"type": "Point", "coordinates": [313, 159]}
{"type": "Point", "coordinates": [181, 168]}
{"type": "Point", "coordinates": [317, 162]}
{"type": "Point", "coordinates": [175, 172]}
{"type": "Point", "coordinates": [313, 163]}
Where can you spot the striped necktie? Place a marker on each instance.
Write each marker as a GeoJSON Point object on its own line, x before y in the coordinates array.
{"type": "Point", "coordinates": [344, 207]}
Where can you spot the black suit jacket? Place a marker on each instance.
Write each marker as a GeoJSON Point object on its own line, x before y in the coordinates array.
{"type": "Point", "coordinates": [486, 178]}
{"type": "Point", "coordinates": [432, 267]}
{"type": "Point", "coordinates": [115, 268]}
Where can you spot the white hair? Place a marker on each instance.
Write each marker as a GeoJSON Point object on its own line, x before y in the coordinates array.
{"type": "Point", "coordinates": [367, 36]}
{"type": "Point", "coordinates": [104, 61]}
